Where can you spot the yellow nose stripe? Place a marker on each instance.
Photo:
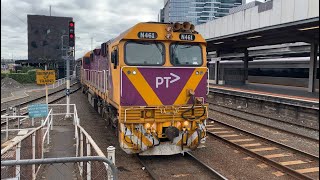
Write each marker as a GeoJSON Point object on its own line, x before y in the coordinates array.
{"type": "Point", "coordinates": [192, 83]}
{"type": "Point", "coordinates": [142, 86]}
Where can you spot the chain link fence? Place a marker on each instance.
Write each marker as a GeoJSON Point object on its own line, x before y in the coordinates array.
{"type": "Point", "coordinates": [24, 158]}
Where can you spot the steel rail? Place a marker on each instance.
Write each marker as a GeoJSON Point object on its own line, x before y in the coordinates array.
{"type": "Point", "coordinates": [149, 170]}
{"type": "Point", "coordinates": [156, 177]}
{"type": "Point", "coordinates": [265, 125]}
{"type": "Point", "coordinates": [276, 165]}
{"type": "Point", "coordinates": [207, 167]}
{"type": "Point", "coordinates": [51, 102]}
{"type": "Point", "coordinates": [269, 140]}
{"type": "Point", "coordinates": [36, 99]}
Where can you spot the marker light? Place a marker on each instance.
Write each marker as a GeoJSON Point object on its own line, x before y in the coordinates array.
{"type": "Point", "coordinates": [186, 123]}
{"type": "Point", "coordinates": [169, 36]}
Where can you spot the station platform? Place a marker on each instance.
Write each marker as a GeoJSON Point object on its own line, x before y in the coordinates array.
{"type": "Point", "coordinates": [295, 96]}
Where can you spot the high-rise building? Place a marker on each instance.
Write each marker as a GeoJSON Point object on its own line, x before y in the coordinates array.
{"type": "Point", "coordinates": [196, 11]}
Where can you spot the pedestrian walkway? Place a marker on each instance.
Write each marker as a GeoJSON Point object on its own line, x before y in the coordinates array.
{"type": "Point", "coordinates": [62, 145]}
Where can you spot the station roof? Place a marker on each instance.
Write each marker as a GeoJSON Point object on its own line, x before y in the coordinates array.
{"type": "Point", "coordinates": [299, 31]}
{"type": "Point", "coordinates": [270, 23]}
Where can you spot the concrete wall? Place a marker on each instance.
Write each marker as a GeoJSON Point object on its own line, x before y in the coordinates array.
{"type": "Point", "coordinates": [282, 11]}
{"type": "Point", "coordinates": [297, 82]}
{"type": "Point", "coordinates": [300, 116]}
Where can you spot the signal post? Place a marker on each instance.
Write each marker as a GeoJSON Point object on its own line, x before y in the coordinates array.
{"type": "Point", "coordinates": [68, 58]}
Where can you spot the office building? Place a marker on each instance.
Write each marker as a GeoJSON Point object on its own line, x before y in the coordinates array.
{"type": "Point", "coordinates": [196, 11]}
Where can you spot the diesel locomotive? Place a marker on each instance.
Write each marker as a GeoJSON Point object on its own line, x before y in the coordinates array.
{"type": "Point", "coordinates": [150, 84]}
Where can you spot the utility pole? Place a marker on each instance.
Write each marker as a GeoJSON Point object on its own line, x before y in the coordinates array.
{"type": "Point", "coordinates": [69, 57]}
{"type": "Point", "coordinates": [68, 86]}
{"type": "Point", "coordinates": [46, 68]}
{"type": "Point", "coordinates": [50, 9]}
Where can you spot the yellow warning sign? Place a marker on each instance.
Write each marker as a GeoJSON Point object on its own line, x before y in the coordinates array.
{"type": "Point", "coordinates": [46, 76]}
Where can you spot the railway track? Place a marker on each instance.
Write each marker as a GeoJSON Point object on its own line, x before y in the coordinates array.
{"type": "Point", "coordinates": [270, 124]}
{"type": "Point", "coordinates": [188, 160]}
{"type": "Point", "coordinates": [25, 111]}
{"type": "Point", "coordinates": [286, 159]}
{"type": "Point", "coordinates": [23, 105]}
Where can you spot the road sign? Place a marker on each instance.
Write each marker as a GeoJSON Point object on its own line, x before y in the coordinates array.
{"type": "Point", "coordinates": [38, 110]}
{"type": "Point", "coordinates": [46, 77]}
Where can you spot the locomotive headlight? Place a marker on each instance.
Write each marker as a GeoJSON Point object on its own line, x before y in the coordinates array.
{"type": "Point", "coordinates": [148, 114]}
{"type": "Point", "coordinates": [178, 124]}
{"type": "Point", "coordinates": [197, 73]}
{"type": "Point", "coordinates": [186, 123]}
{"type": "Point", "coordinates": [147, 125]}
{"type": "Point", "coordinates": [134, 72]}
{"type": "Point", "coordinates": [169, 28]}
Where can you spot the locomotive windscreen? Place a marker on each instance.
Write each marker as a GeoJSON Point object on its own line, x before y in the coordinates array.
{"type": "Point", "coordinates": [87, 60]}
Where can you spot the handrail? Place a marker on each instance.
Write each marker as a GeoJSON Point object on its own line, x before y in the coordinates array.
{"type": "Point", "coordinates": [63, 160]}
{"type": "Point", "coordinates": [16, 142]}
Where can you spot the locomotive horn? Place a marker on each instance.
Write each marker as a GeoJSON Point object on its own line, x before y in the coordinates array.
{"type": "Point", "coordinates": [192, 27]}
{"type": "Point", "coordinates": [186, 26]}
{"type": "Point", "coordinates": [176, 26]}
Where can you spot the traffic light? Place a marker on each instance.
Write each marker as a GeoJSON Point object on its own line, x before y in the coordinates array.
{"type": "Point", "coordinates": [71, 34]}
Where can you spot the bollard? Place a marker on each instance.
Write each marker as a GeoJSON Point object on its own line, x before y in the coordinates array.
{"type": "Point", "coordinates": [14, 110]}
{"type": "Point", "coordinates": [111, 155]}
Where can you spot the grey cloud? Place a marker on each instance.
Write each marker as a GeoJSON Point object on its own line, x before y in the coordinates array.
{"type": "Point", "coordinates": [100, 19]}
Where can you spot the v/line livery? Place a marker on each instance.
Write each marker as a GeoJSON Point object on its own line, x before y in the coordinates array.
{"type": "Point", "coordinates": [150, 84]}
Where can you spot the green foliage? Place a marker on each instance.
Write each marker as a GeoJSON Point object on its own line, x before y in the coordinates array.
{"type": "Point", "coordinates": [32, 75]}
{"type": "Point", "coordinates": [3, 75]}
{"type": "Point", "coordinates": [25, 69]}
{"type": "Point", "coordinates": [23, 78]}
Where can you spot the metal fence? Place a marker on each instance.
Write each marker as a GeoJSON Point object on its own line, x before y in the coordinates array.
{"type": "Point", "coordinates": [24, 157]}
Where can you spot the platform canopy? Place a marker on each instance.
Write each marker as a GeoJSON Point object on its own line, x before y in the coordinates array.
{"type": "Point", "coordinates": [270, 23]}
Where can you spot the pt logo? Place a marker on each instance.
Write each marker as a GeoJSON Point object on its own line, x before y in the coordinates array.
{"type": "Point", "coordinates": [160, 80]}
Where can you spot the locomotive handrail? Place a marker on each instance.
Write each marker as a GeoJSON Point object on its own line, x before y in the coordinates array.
{"type": "Point", "coordinates": [164, 109]}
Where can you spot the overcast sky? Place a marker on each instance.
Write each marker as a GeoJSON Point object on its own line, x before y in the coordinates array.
{"type": "Point", "coordinates": [99, 19]}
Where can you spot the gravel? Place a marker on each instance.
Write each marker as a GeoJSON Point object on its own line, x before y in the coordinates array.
{"type": "Point", "coordinates": [233, 164]}
{"type": "Point", "coordinates": [7, 83]}
{"type": "Point", "coordinates": [128, 165]}
{"type": "Point", "coordinates": [285, 138]}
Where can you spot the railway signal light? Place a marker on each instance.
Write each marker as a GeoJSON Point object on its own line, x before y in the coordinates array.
{"type": "Point", "coordinates": [71, 34]}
